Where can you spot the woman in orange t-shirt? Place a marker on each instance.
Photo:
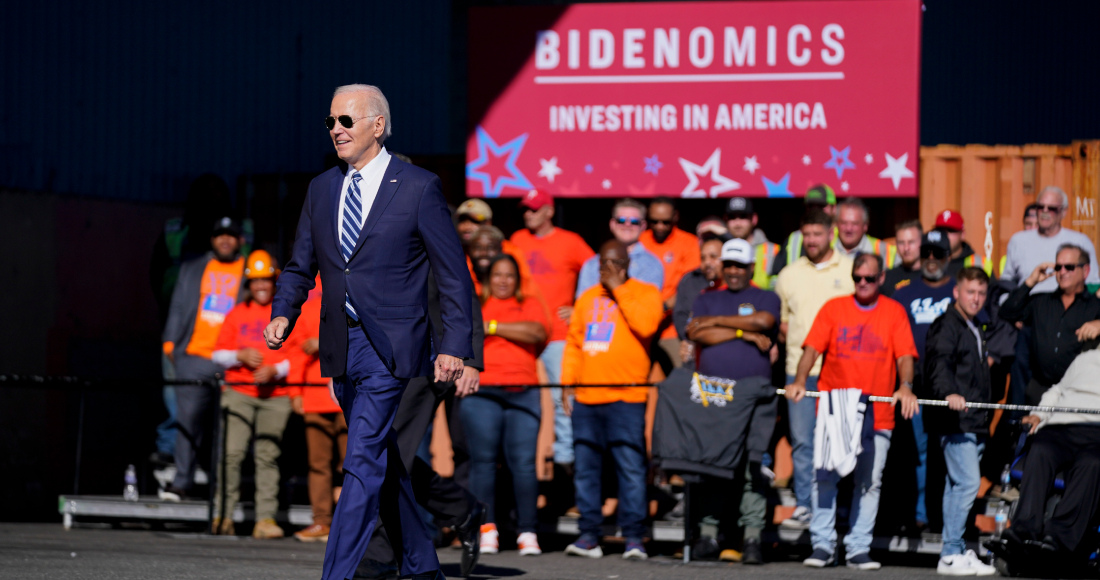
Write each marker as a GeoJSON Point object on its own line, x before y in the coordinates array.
{"type": "Point", "coordinates": [514, 327]}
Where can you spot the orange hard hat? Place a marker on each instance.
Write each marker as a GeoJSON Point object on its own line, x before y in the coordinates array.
{"type": "Point", "coordinates": [260, 265]}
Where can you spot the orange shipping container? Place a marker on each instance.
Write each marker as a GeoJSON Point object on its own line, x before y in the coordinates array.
{"type": "Point", "coordinates": [991, 185]}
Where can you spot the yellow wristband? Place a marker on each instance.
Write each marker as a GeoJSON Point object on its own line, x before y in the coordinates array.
{"type": "Point", "coordinates": [740, 333]}
{"type": "Point", "coordinates": [492, 327]}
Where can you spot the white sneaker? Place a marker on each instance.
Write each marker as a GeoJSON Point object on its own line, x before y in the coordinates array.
{"type": "Point", "coordinates": [490, 539]}
{"type": "Point", "coordinates": [528, 544]}
{"type": "Point", "coordinates": [980, 568]}
{"type": "Point", "coordinates": [956, 565]}
{"type": "Point", "coordinates": [200, 476]}
{"type": "Point", "coordinates": [799, 520]}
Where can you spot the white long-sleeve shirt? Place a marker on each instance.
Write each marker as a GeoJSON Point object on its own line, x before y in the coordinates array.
{"type": "Point", "coordinates": [1079, 387]}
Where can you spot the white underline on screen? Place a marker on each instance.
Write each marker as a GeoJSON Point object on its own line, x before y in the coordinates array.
{"type": "Point", "coordinates": [689, 78]}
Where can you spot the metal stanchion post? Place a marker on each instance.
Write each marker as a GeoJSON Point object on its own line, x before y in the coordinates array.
{"type": "Point", "coordinates": [215, 460]}
{"type": "Point", "coordinates": [223, 462]}
{"type": "Point", "coordinates": [79, 444]}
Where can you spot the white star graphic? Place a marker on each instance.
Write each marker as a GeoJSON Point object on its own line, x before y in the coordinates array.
{"type": "Point", "coordinates": [896, 170]}
{"type": "Point", "coordinates": [606, 184]}
{"type": "Point", "coordinates": [844, 186]}
{"type": "Point", "coordinates": [693, 171]}
{"type": "Point", "coordinates": [805, 159]}
{"type": "Point", "coordinates": [868, 159]}
{"type": "Point", "coordinates": [549, 169]}
{"type": "Point", "coordinates": [751, 165]}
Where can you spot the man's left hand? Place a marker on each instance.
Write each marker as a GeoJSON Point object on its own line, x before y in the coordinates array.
{"type": "Point", "coordinates": [447, 368]}
{"type": "Point", "coordinates": [956, 402]}
{"type": "Point", "coordinates": [908, 400]}
{"type": "Point", "coordinates": [468, 383]}
{"type": "Point", "coordinates": [264, 374]}
{"type": "Point", "coordinates": [700, 322]}
{"type": "Point", "coordinates": [1088, 331]}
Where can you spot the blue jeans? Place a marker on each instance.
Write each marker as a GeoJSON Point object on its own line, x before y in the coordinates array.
{"type": "Point", "coordinates": [619, 428]}
{"type": "Point", "coordinates": [963, 454]}
{"type": "Point", "coordinates": [563, 427]}
{"type": "Point", "coordinates": [166, 431]}
{"type": "Point", "coordinates": [921, 439]}
{"type": "Point", "coordinates": [802, 417]}
{"type": "Point", "coordinates": [865, 493]}
{"type": "Point", "coordinates": [489, 421]}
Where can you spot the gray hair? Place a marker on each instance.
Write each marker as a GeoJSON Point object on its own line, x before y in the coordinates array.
{"type": "Point", "coordinates": [1083, 257]}
{"type": "Point", "coordinates": [377, 105]}
{"type": "Point", "coordinates": [1061, 193]}
{"type": "Point", "coordinates": [627, 202]}
{"type": "Point", "coordinates": [856, 203]}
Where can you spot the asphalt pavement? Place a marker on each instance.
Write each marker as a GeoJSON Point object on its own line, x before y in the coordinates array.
{"type": "Point", "coordinates": [33, 551]}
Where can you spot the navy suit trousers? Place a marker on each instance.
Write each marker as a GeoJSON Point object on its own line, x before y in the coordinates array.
{"type": "Point", "coordinates": [375, 481]}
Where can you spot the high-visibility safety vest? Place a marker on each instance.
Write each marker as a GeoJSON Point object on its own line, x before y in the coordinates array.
{"type": "Point", "coordinates": [981, 262]}
{"type": "Point", "coordinates": [765, 255]}
{"type": "Point", "coordinates": [1001, 266]}
{"type": "Point", "coordinates": [888, 252]}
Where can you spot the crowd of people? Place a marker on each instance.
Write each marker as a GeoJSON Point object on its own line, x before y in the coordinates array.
{"type": "Point", "coordinates": [839, 314]}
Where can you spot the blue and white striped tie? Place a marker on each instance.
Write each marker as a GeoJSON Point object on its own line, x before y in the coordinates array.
{"type": "Point", "coordinates": [349, 229]}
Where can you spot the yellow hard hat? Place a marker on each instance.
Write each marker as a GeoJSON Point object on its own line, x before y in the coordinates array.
{"type": "Point", "coordinates": [260, 265]}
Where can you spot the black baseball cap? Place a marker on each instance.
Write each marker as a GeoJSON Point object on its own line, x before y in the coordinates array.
{"type": "Point", "coordinates": [739, 206]}
{"type": "Point", "coordinates": [226, 225]}
{"type": "Point", "coordinates": [936, 239]}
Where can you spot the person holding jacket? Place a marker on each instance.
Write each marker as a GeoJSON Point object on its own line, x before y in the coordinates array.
{"type": "Point", "coordinates": [609, 337]}
{"type": "Point", "coordinates": [508, 418]}
{"type": "Point", "coordinates": [257, 410]}
{"type": "Point", "coordinates": [956, 369]}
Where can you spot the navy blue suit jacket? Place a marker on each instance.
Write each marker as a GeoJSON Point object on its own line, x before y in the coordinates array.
{"type": "Point", "coordinates": [408, 227]}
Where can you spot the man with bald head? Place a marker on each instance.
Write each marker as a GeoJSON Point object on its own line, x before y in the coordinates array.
{"type": "Point", "coordinates": [609, 336]}
{"type": "Point", "coordinates": [373, 228]}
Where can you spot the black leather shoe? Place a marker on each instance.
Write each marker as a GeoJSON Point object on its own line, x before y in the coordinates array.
{"type": "Point", "coordinates": [469, 533]}
{"type": "Point", "coordinates": [437, 575]}
{"type": "Point", "coordinates": [750, 552]}
{"type": "Point", "coordinates": [369, 569]}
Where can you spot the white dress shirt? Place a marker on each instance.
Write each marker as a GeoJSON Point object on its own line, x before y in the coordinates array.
{"type": "Point", "coordinates": [372, 179]}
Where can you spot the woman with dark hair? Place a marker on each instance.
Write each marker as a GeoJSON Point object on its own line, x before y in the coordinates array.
{"type": "Point", "coordinates": [506, 417]}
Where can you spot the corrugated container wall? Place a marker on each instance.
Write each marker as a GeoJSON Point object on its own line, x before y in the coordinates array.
{"type": "Point", "coordinates": [133, 99]}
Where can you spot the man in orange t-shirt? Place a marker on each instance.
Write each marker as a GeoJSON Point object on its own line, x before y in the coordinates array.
{"type": "Point", "coordinates": [206, 290]}
{"type": "Point", "coordinates": [555, 257]}
{"type": "Point", "coordinates": [608, 343]}
{"type": "Point", "coordinates": [679, 254]}
{"type": "Point", "coordinates": [869, 346]}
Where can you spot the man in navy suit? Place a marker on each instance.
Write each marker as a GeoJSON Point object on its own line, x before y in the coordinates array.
{"type": "Point", "coordinates": [372, 229]}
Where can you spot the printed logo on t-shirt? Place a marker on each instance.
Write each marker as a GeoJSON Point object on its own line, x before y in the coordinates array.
{"type": "Point", "coordinates": [669, 257]}
{"type": "Point", "coordinates": [538, 263]}
{"type": "Point", "coordinates": [220, 299]}
{"type": "Point", "coordinates": [711, 390]}
{"type": "Point", "coordinates": [925, 311]}
{"type": "Point", "coordinates": [253, 331]}
{"type": "Point", "coordinates": [746, 310]}
{"type": "Point", "coordinates": [858, 342]}
{"type": "Point", "coordinates": [600, 328]}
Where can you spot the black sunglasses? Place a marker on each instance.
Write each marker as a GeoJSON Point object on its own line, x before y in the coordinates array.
{"type": "Point", "coordinates": [632, 221]}
{"type": "Point", "coordinates": [345, 120]}
{"type": "Point", "coordinates": [661, 222]}
{"type": "Point", "coordinates": [868, 279]}
{"type": "Point", "coordinates": [1050, 208]}
{"type": "Point", "coordinates": [936, 253]}
{"type": "Point", "coordinates": [1068, 267]}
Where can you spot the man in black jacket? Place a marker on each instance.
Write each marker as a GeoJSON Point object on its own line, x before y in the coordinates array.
{"type": "Point", "coordinates": [956, 368]}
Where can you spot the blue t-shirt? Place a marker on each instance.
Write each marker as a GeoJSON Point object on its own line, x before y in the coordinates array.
{"type": "Point", "coordinates": [736, 359]}
{"type": "Point", "coordinates": [924, 305]}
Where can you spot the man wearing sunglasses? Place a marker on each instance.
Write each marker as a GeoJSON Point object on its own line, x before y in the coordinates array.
{"type": "Point", "coordinates": [1059, 321]}
{"type": "Point", "coordinates": [1029, 248]}
{"type": "Point", "coordinates": [679, 254]}
{"type": "Point", "coordinates": [373, 228]}
{"type": "Point", "coordinates": [868, 348]}
{"type": "Point", "coordinates": [628, 221]}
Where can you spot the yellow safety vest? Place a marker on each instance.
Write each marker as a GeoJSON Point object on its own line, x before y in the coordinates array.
{"type": "Point", "coordinates": [1001, 267]}
{"type": "Point", "coordinates": [761, 275]}
{"type": "Point", "coordinates": [981, 262]}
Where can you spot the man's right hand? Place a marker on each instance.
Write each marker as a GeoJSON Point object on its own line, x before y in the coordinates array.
{"type": "Point", "coordinates": [567, 394]}
{"type": "Point", "coordinates": [1033, 421]}
{"type": "Point", "coordinates": [795, 391]}
{"type": "Point", "coordinates": [250, 357]}
{"type": "Point", "coordinates": [275, 333]}
{"type": "Point", "coordinates": [1040, 273]}
{"type": "Point", "coordinates": [565, 312]}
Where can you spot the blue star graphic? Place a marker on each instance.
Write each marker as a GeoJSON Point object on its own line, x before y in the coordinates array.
{"type": "Point", "coordinates": [840, 161]}
{"type": "Point", "coordinates": [588, 168]}
{"type": "Point", "coordinates": [485, 146]}
{"type": "Point", "coordinates": [652, 165]}
{"type": "Point", "coordinates": [778, 188]}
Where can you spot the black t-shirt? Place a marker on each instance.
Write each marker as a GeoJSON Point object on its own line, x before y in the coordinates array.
{"type": "Point", "coordinates": [897, 278]}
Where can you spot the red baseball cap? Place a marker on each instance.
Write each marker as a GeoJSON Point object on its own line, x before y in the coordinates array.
{"type": "Point", "coordinates": [951, 220]}
{"type": "Point", "coordinates": [536, 199]}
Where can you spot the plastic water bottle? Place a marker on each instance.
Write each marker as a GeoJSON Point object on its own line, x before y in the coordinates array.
{"type": "Point", "coordinates": [1006, 478]}
{"type": "Point", "coordinates": [1001, 520]}
{"type": "Point", "coordinates": [130, 492]}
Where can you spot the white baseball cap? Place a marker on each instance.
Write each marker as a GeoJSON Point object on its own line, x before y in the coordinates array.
{"type": "Point", "coordinates": [738, 250]}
